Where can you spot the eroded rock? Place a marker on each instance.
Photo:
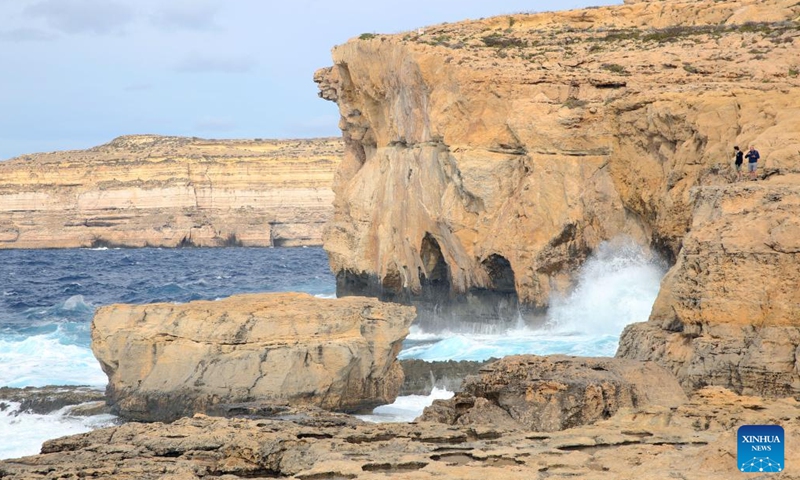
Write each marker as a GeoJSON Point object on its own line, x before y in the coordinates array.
{"type": "Point", "coordinates": [165, 361]}
{"type": "Point", "coordinates": [518, 144]}
{"type": "Point", "coordinates": [150, 190]}
{"type": "Point", "coordinates": [728, 312]}
{"type": "Point", "coordinates": [696, 440]}
{"type": "Point", "coordinates": [555, 392]}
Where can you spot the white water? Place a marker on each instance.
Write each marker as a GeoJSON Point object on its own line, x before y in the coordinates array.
{"type": "Point", "coordinates": [616, 287]}
{"type": "Point", "coordinates": [407, 408]}
{"type": "Point", "coordinates": [43, 360]}
{"type": "Point", "coordinates": [23, 434]}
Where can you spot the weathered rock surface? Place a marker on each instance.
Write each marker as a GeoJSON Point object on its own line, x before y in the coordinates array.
{"type": "Point", "coordinates": [696, 440]}
{"type": "Point", "coordinates": [165, 361]}
{"type": "Point", "coordinates": [728, 313]}
{"type": "Point", "coordinates": [555, 392]}
{"type": "Point", "coordinates": [145, 190]}
{"type": "Point", "coordinates": [517, 144]}
{"type": "Point", "coordinates": [44, 400]}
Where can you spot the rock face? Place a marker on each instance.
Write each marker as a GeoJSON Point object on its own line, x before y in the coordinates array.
{"type": "Point", "coordinates": [147, 190]}
{"type": "Point", "coordinates": [729, 311]}
{"type": "Point", "coordinates": [696, 440]}
{"type": "Point", "coordinates": [556, 392]}
{"type": "Point", "coordinates": [423, 376]}
{"type": "Point", "coordinates": [44, 400]}
{"type": "Point", "coordinates": [517, 144]}
{"type": "Point", "coordinates": [165, 361]}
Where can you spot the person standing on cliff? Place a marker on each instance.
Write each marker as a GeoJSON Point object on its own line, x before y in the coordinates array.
{"type": "Point", "coordinates": [752, 161]}
{"type": "Point", "coordinates": [738, 156]}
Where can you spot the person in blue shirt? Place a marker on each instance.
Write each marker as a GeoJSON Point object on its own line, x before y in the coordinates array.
{"type": "Point", "coordinates": [752, 161]}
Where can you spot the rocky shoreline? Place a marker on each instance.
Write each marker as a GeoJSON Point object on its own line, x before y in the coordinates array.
{"type": "Point", "coordinates": [696, 440]}
{"type": "Point", "coordinates": [515, 146]}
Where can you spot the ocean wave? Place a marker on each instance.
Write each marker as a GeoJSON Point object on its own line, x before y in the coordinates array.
{"type": "Point", "coordinates": [24, 433]}
{"type": "Point", "coordinates": [40, 360]}
{"type": "Point", "coordinates": [406, 408]}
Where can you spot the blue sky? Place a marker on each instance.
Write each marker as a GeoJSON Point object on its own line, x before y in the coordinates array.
{"type": "Point", "coordinates": [77, 73]}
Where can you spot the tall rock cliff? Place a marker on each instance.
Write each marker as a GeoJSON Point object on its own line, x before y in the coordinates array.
{"type": "Point", "coordinates": [486, 159]}
{"type": "Point", "coordinates": [170, 191]}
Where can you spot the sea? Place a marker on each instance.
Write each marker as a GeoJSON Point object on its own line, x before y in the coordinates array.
{"type": "Point", "coordinates": [49, 297]}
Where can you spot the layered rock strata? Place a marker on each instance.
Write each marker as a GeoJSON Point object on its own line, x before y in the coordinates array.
{"type": "Point", "coordinates": [165, 361]}
{"type": "Point", "coordinates": [147, 190]}
{"type": "Point", "coordinates": [694, 441]}
{"type": "Point", "coordinates": [485, 160]}
{"type": "Point", "coordinates": [556, 392]}
{"type": "Point", "coordinates": [516, 144]}
{"type": "Point", "coordinates": [728, 312]}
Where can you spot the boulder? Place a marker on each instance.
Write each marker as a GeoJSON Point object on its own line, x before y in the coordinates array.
{"type": "Point", "coordinates": [165, 361]}
{"type": "Point", "coordinates": [555, 392]}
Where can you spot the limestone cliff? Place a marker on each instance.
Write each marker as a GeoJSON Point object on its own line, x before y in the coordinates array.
{"type": "Point", "coordinates": [170, 191]}
{"type": "Point", "coordinates": [486, 159]}
{"type": "Point", "coordinates": [165, 361]}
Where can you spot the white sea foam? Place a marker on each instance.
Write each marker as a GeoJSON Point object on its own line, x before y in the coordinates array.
{"type": "Point", "coordinates": [41, 360]}
{"type": "Point", "coordinates": [325, 295]}
{"type": "Point", "coordinates": [406, 408]}
{"type": "Point", "coordinates": [616, 286]}
{"type": "Point", "coordinates": [23, 434]}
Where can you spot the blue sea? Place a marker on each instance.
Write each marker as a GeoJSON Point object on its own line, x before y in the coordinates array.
{"type": "Point", "coordinates": [49, 297]}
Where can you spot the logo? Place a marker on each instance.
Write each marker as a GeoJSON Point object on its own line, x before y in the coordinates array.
{"type": "Point", "coordinates": [760, 449]}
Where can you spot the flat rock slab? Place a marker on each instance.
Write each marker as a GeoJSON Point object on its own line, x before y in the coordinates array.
{"type": "Point", "coordinates": [556, 392]}
{"type": "Point", "coordinates": [165, 361]}
{"type": "Point", "coordinates": [694, 441]}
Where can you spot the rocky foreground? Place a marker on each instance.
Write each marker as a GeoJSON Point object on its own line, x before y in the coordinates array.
{"type": "Point", "coordinates": [696, 440]}
{"type": "Point", "coordinates": [148, 190]}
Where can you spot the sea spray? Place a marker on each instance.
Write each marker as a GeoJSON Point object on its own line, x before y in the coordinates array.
{"type": "Point", "coordinates": [406, 408]}
{"type": "Point", "coordinates": [47, 359]}
{"type": "Point", "coordinates": [24, 433]}
{"type": "Point", "coordinates": [615, 287]}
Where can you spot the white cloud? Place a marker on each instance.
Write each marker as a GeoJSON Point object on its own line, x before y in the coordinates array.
{"type": "Point", "coordinates": [82, 16]}
{"type": "Point", "coordinates": [26, 35]}
{"type": "Point", "coordinates": [207, 64]}
{"type": "Point", "coordinates": [188, 16]}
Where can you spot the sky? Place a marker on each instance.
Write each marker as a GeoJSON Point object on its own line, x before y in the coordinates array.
{"type": "Point", "coordinates": [78, 73]}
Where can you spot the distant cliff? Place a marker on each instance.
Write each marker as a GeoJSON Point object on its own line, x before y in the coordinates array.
{"type": "Point", "coordinates": [148, 190]}
{"type": "Point", "coordinates": [485, 160]}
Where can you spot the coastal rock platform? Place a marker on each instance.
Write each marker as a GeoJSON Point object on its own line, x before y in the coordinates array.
{"type": "Point", "coordinates": [555, 392]}
{"type": "Point", "coordinates": [696, 440]}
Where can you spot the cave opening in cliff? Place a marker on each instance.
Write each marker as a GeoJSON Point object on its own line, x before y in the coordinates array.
{"type": "Point", "coordinates": [435, 274]}
{"type": "Point", "coordinates": [500, 273]}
